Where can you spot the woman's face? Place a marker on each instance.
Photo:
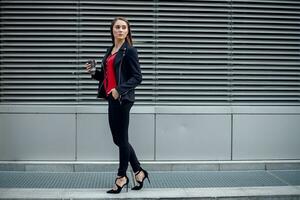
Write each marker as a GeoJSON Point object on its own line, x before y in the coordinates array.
{"type": "Point", "coordinates": [120, 30]}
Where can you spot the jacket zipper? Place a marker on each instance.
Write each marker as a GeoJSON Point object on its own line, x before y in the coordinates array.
{"type": "Point", "coordinates": [119, 81]}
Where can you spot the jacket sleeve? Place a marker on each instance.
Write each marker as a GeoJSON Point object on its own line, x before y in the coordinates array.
{"type": "Point", "coordinates": [99, 75]}
{"type": "Point", "coordinates": [133, 66]}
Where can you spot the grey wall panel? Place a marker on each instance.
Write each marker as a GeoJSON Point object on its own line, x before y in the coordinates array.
{"type": "Point", "coordinates": [193, 137]}
{"type": "Point", "coordinates": [266, 137]}
{"type": "Point", "coordinates": [37, 136]}
{"type": "Point", "coordinates": [95, 140]}
{"type": "Point", "coordinates": [141, 135]}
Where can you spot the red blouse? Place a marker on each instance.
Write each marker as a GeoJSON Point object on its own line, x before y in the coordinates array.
{"type": "Point", "coordinates": [110, 75]}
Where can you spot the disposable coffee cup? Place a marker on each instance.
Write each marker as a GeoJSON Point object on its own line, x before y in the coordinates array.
{"type": "Point", "coordinates": [93, 64]}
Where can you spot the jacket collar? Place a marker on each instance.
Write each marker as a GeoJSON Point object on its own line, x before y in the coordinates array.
{"type": "Point", "coordinates": [119, 55]}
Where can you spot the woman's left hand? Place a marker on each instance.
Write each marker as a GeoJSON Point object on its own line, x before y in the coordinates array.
{"type": "Point", "coordinates": [115, 93]}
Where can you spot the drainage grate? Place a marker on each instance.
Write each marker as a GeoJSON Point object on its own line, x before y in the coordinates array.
{"type": "Point", "coordinates": [290, 176]}
{"type": "Point", "coordinates": [56, 180]}
{"type": "Point", "coordinates": [174, 179]}
{"type": "Point", "coordinates": [212, 179]}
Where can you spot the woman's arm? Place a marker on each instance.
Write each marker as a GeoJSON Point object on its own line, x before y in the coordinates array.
{"type": "Point", "coordinates": [132, 65]}
{"type": "Point", "coordinates": [99, 75]}
{"type": "Point", "coordinates": [96, 74]}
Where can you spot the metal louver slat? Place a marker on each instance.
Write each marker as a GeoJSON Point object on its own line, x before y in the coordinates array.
{"type": "Point", "coordinates": [266, 62]}
{"type": "Point", "coordinates": [38, 51]}
{"type": "Point", "coordinates": [192, 52]}
{"type": "Point", "coordinates": [95, 17]}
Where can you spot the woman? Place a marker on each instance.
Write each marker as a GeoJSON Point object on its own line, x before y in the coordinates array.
{"type": "Point", "coordinates": [120, 73]}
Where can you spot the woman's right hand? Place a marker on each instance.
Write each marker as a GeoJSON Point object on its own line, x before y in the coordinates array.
{"type": "Point", "coordinates": [88, 67]}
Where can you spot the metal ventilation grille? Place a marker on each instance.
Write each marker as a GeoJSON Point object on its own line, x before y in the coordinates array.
{"type": "Point", "coordinates": [266, 52]}
{"type": "Point", "coordinates": [39, 51]}
{"type": "Point", "coordinates": [95, 19]}
{"type": "Point", "coordinates": [192, 52]}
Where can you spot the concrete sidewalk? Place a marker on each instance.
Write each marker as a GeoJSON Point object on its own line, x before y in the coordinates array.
{"type": "Point", "coordinates": [238, 184]}
{"type": "Point", "coordinates": [240, 193]}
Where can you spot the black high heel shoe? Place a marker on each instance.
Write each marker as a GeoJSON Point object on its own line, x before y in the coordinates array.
{"type": "Point", "coordinates": [112, 191]}
{"type": "Point", "coordinates": [141, 183]}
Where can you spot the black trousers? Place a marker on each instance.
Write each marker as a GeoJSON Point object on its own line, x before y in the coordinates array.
{"type": "Point", "coordinates": [118, 116]}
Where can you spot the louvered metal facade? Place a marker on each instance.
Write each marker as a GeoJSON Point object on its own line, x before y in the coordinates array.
{"type": "Point", "coordinates": [265, 52]}
{"type": "Point", "coordinates": [217, 52]}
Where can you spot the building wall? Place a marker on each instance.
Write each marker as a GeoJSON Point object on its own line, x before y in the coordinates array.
{"type": "Point", "coordinates": [60, 133]}
{"type": "Point", "coordinates": [221, 80]}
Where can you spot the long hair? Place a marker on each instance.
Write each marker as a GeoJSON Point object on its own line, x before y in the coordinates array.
{"type": "Point", "coordinates": [128, 37]}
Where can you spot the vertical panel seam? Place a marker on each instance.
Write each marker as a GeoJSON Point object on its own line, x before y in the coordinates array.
{"type": "Point", "coordinates": [231, 130]}
{"type": "Point", "coordinates": [155, 2]}
{"type": "Point", "coordinates": [155, 145]}
{"type": "Point", "coordinates": [78, 50]}
{"type": "Point", "coordinates": [230, 61]}
{"type": "Point", "coordinates": [76, 136]}
{"type": "Point", "coordinates": [155, 48]}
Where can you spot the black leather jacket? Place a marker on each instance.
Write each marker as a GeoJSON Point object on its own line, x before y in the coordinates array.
{"type": "Point", "coordinates": [127, 70]}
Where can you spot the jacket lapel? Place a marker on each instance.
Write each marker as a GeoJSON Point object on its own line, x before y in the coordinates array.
{"type": "Point", "coordinates": [119, 56]}
{"type": "Point", "coordinates": [106, 55]}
